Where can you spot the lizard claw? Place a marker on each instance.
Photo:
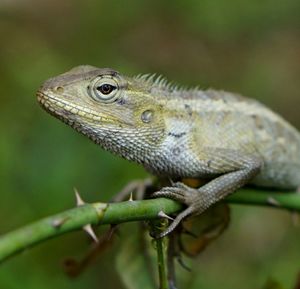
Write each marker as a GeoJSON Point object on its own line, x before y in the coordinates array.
{"type": "Point", "coordinates": [183, 194]}
{"type": "Point", "coordinates": [187, 212]}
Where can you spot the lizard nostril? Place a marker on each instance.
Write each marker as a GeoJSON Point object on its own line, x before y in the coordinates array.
{"type": "Point", "coordinates": [59, 89]}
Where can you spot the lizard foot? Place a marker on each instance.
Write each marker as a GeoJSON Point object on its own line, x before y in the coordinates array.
{"type": "Point", "coordinates": [183, 194]}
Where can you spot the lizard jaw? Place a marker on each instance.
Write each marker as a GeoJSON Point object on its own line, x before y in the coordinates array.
{"type": "Point", "coordinates": [66, 110]}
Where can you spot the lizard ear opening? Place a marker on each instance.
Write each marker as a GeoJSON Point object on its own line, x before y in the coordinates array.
{"type": "Point", "coordinates": [104, 89]}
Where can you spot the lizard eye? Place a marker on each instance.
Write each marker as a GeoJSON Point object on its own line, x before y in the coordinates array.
{"type": "Point", "coordinates": [104, 89]}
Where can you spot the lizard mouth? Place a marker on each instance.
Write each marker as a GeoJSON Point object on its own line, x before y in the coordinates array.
{"type": "Point", "coordinates": [68, 111]}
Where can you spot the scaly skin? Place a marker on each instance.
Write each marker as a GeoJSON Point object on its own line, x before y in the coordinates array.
{"type": "Point", "coordinates": [222, 137]}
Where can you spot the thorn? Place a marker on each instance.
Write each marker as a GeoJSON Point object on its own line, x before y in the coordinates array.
{"type": "Point", "coordinates": [273, 202]}
{"type": "Point", "coordinates": [88, 229]}
{"type": "Point", "coordinates": [164, 215]}
{"type": "Point", "coordinates": [56, 223]}
{"type": "Point", "coordinates": [130, 197]}
{"type": "Point", "coordinates": [79, 201]}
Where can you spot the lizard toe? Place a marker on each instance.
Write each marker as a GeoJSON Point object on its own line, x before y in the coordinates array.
{"type": "Point", "coordinates": [179, 218]}
{"type": "Point", "coordinates": [179, 192]}
{"type": "Point", "coordinates": [170, 194]}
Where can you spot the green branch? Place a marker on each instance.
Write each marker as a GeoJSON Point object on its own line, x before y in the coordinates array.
{"type": "Point", "coordinates": [115, 213]}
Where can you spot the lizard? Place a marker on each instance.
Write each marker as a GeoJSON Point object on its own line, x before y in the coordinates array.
{"type": "Point", "coordinates": [222, 137]}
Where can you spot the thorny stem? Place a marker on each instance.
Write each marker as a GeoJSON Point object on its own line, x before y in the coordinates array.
{"type": "Point", "coordinates": [115, 213]}
{"type": "Point", "coordinates": [161, 258]}
{"type": "Point", "coordinates": [163, 280]}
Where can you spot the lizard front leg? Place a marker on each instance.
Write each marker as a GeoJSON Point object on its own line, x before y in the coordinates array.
{"type": "Point", "coordinates": [198, 200]}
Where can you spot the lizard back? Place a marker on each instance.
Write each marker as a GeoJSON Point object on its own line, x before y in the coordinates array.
{"type": "Point", "coordinates": [172, 131]}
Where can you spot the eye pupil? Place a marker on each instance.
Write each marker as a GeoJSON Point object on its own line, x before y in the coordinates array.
{"type": "Point", "coordinates": [106, 88]}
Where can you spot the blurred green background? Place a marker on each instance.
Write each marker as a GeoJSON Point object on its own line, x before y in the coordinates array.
{"type": "Point", "coordinates": [250, 47]}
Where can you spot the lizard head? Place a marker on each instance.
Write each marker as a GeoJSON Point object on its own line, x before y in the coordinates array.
{"type": "Point", "coordinates": [115, 111]}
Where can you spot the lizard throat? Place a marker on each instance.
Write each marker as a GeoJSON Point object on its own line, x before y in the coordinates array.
{"type": "Point", "coordinates": [101, 130]}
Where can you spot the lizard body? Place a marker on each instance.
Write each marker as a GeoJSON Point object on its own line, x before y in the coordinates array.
{"type": "Point", "coordinates": [223, 137]}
